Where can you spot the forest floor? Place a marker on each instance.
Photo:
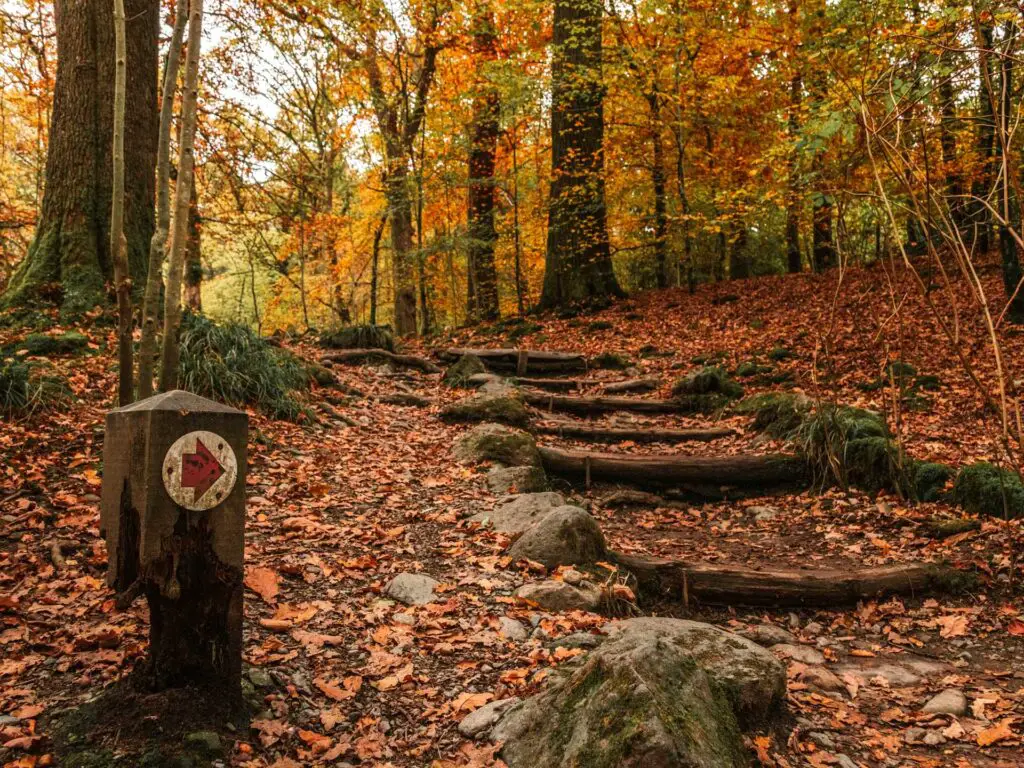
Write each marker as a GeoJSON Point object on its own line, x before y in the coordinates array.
{"type": "Point", "coordinates": [344, 675]}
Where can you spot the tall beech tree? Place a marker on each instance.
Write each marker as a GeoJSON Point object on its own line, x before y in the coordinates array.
{"type": "Point", "coordinates": [578, 265]}
{"type": "Point", "coordinates": [70, 259]}
{"type": "Point", "coordinates": [482, 282]}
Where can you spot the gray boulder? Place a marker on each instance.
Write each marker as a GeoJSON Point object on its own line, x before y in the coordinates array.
{"type": "Point", "coordinates": [565, 536]}
{"type": "Point", "coordinates": [657, 693]}
{"type": "Point", "coordinates": [951, 701]}
{"type": "Point", "coordinates": [518, 513]}
{"type": "Point", "coordinates": [411, 588]}
{"type": "Point", "coordinates": [493, 442]}
{"type": "Point", "coordinates": [459, 373]}
{"type": "Point", "coordinates": [505, 407]}
{"type": "Point", "coordinates": [479, 721]}
{"type": "Point", "coordinates": [503, 480]}
{"type": "Point", "coordinates": [558, 596]}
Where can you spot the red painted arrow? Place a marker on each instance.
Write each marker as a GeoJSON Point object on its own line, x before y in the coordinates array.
{"type": "Point", "coordinates": [200, 470]}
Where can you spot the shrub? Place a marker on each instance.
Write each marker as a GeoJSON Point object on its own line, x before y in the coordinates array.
{"type": "Point", "coordinates": [930, 480]}
{"type": "Point", "coordinates": [360, 337]}
{"type": "Point", "coordinates": [64, 344]}
{"type": "Point", "coordinates": [779, 354]}
{"type": "Point", "coordinates": [599, 325]}
{"type": "Point", "coordinates": [986, 489]}
{"type": "Point", "coordinates": [707, 381]}
{"type": "Point", "coordinates": [612, 361]}
{"type": "Point", "coordinates": [778, 414]}
{"type": "Point", "coordinates": [459, 372]}
{"type": "Point", "coordinates": [25, 387]}
{"type": "Point", "coordinates": [232, 364]}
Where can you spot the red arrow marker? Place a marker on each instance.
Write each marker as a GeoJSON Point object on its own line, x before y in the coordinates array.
{"type": "Point", "coordinates": [200, 470]}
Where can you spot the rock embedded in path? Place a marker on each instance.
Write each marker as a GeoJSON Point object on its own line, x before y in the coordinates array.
{"type": "Point", "coordinates": [505, 407]}
{"type": "Point", "coordinates": [494, 442]}
{"type": "Point", "coordinates": [566, 536]}
{"type": "Point", "coordinates": [479, 721]}
{"type": "Point", "coordinates": [511, 629]}
{"type": "Point", "coordinates": [802, 653]}
{"type": "Point", "coordinates": [520, 512]}
{"type": "Point", "coordinates": [461, 370]}
{"type": "Point", "coordinates": [502, 480]}
{"type": "Point", "coordinates": [558, 596]}
{"type": "Point", "coordinates": [951, 701]}
{"type": "Point", "coordinates": [656, 692]}
{"type": "Point", "coordinates": [768, 635]}
{"type": "Point", "coordinates": [411, 588]}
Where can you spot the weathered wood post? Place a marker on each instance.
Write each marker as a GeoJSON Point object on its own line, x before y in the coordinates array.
{"type": "Point", "coordinates": [173, 514]}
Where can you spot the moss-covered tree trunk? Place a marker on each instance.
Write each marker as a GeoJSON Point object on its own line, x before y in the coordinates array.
{"type": "Point", "coordinates": [193, 255]}
{"type": "Point", "coordinates": [483, 277]}
{"type": "Point", "coordinates": [578, 267]}
{"type": "Point", "coordinates": [69, 260]}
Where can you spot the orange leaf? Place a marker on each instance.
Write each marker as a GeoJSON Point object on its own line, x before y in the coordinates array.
{"type": "Point", "coordinates": [263, 581]}
{"type": "Point", "coordinates": [996, 733]}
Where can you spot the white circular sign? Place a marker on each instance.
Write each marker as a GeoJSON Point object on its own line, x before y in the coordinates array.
{"type": "Point", "coordinates": [200, 470]}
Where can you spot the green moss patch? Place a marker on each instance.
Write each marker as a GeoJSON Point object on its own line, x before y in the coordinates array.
{"type": "Point", "coordinates": [986, 489]}
{"type": "Point", "coordinates": [930, 480]}
{"type": "Point", "coordinates": [612, 361]}
{"type": "Point", "coordinates": [505, 407]}
{"type": "Point", "coordinates": [360, 337]}
{"type": "Point", "coordinates": [777, 413]}
{"type": "Point", "coordinates": [710, 380]}
{"type": "Point", "coordinates": [42, 344]}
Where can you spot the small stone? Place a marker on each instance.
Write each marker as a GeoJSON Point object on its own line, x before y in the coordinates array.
{"type": "Point", "coordinates": [823, 740]}
{"type": "Point", "coordinates": [502, 480]}
{"type": "Point", "coordinates": [763, 514]}
{"type": "Point", "coordinates": [404, 618]}
{"type": "Point", "coordinates": [801, 653]}
{"type": "Point", "coordinates": [479, 721]}
{"type": "Point", "coordinates": [582, 640]}
{"type": "Point", "coordinates": [822, 678]}
{"type": "Point", "coordinates": [412, 588]}
{"type": "Point", "coordinates": [206, 741]}
{"type": "Point", "coordinates": [559, 596]}
{"type": "Point", "coordinates": [767, 635]}
{"type": "Point", "coordinates": [914, 735]}
{"type": "Point", "coordinates": [951, 701]}
{"type": "Point", "coordinates": [260, 677]}
{"type": "Point", "coordinates": [934, 739]}
{"type": "Point", "coordinates": [572, 576]}
{"type": "Point", "coordinates": [512, 629]}
{"type": "Point", "coordinates": [8, 720]}
{"type": "Point", "coordinates": [845, 761]}
{"type": "Point", "coordinates": [814, 629]}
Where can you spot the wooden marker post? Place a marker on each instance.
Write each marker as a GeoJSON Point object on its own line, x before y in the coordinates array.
{"type": "Point", "coordinates": [173, 515]}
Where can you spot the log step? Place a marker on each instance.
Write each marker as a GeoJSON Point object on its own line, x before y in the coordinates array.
{"type": "Point", "coordinates": [710, 473]}
{"type": "Point", "coordinates": [360, 356]}
{"type": "Point", "coordinates": [522, 362]}
{"type": "Point", "coordinates": [568, 385]}
{"type": "Point", "coordinates": [602, 404]}
{"type": "Point", "coordinates": [634, 435]}
{"type": "Point", "coordinates": [734, 585]}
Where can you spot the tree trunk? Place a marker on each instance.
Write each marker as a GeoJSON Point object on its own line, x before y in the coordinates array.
{"type": "Point", "coordinates": [402, 267]}
{"type": "Point", "coordinates": [118, 247]}
{"type": "Point", "coordinates": [660, 196]}
{"type": "Point", "coordinates": [193, 255]}
{"type": "Point", "coordinates": [182, 198]}
{"type": "Point", "coordinates": [794, 262]}
{"type": "Point", "coordinates": [483, 277]}
{"type": "Point", "coordinates": [70, 258]}
{"type": "Point", "coordinates": [739, 261]}
{"type": "Point", "coordinates": [824, 250]}
{"type": "Point", "coordinates": [947, 140]}
{"type": "Point", "coordinates": [1013, 275]}
{"type": "Point", "coordinates": [158, 242]}
{"type": "Point", "coordinates": [578, 266]}
{"type": "Point", "coordinates": [982, 186]}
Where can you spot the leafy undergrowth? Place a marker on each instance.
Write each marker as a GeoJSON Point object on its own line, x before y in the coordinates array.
{"type": "Point", "coordinates": [337, 672]}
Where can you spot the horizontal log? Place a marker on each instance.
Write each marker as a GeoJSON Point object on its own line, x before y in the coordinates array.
{"type": "Point", "coordinates": [631, 385]}
{"type": "Point", "coordinates": [520, 361]}
{"type": "Point", "coordinates": [634, 435]}
{"type": "Point", "coordinates": [732, 585]}
{"type": "Point", "coordinates": [360, 356]}
{"type": "Point", "coordinates": [589, 406]}
{"type": "Point", "coordinates": [745, 471]}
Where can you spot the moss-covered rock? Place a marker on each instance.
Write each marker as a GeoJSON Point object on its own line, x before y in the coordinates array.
{"type": "Point", "coordinates": [458, 373]}
{"type": "Point", "coordinates": [495, 442]}
{"type": "Point", "coordinates": [524, 329]}
{"type": "Point", "coordinates": [504, 480]}
{"type": "Point", "coordinates": [42, 344]}
{"type": "Point", "coordinates": [777, 413]}
{"type": "Point", "coordinates": [612, 361]}
{"type": "Point", "coordinates": [505, 406]}
{"type": "Point", "coordinates": [657, 692]}
{"type": "Point", "coordinates": [360, 337]}
{"type": "Point", "coordinates": [710, 380]}
{"type": "Point", "coordinates": [566, 535]}
{"type": "Point", "coordinates": [930, 480]}
{"type": "Point", "coordinates": [599, 325]}
{"type": "Point", "coordinates": [750, 368]}
{"type": "Point", "coordinates": [778, 354]}
{"type": "Point", "coordinates": [986, 489]}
